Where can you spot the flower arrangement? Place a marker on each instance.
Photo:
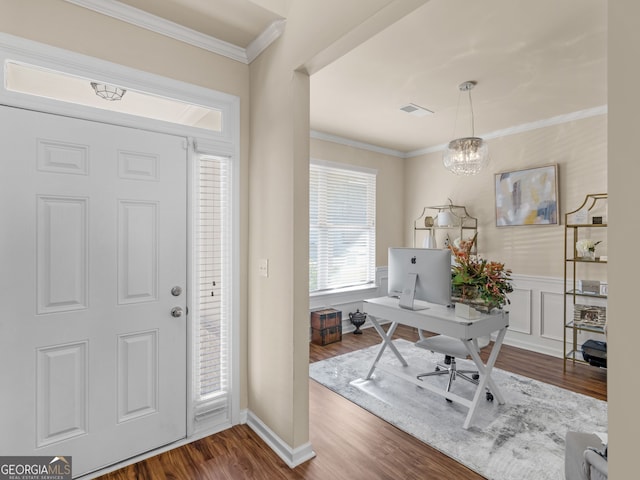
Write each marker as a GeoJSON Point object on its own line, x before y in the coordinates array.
{"type": "Point", "coordinates": [477, 279]}
{"type": "Point", "coordinates": [586, 245]}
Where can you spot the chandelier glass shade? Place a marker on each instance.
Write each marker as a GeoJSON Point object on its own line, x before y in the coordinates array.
{"type": "Point", "coordinates": [467, 155]}
{"type": "Point", "coordinates": [108, 92]}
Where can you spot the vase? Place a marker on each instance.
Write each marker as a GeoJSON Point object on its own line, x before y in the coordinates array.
{"type": "Point", "coordinates": [477, 303]}
{"type": "Point", "coordinates": [430, 240]}
{"type": "Point", "coordinates": [358, 320]}
{"type": "Point", "coordinates": [589, 255]}
{"type": "Point", "coordinates": [472, 298]}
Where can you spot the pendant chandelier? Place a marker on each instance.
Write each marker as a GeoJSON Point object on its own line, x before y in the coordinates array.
{"type": "Point", "coordinates": [468, 155]}
{"type": "Point", "coordinates": [108, 92]}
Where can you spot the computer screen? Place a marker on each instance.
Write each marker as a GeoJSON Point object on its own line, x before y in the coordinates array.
{"type": "Point", "coordinates": [429, 269]}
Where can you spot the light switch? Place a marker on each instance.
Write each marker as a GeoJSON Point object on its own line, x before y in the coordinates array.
{"type": "Point", "coordinates": [264, 267]}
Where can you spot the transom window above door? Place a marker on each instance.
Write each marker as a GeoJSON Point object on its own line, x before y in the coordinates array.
{"type": "Point", "coordinates": [41, 82]}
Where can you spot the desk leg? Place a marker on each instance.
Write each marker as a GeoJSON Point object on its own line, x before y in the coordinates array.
{"type": "Point", "coordinates": [485, 375]}
{"type": "Point", "coordinates": [386, 341]}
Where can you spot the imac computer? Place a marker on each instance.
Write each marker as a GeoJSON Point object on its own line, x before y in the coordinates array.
{"type": "Point", "coordinates": [420, 274]}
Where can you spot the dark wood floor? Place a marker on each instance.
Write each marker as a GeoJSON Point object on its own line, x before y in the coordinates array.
{"type": "Point", "coordinates": [349, 442]}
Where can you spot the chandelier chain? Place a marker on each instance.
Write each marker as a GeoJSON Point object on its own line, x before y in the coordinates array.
{"type": "Point", "coordinates": [473, 127]}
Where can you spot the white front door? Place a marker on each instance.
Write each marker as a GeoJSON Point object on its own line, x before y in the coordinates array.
{"type": "Point", "coordinates": [93, 222]}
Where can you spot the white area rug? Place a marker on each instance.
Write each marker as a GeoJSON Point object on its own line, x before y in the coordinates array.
{"type": "Point", "coordinates": [522, 439]}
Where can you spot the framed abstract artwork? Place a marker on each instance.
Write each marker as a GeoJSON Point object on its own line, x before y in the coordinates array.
{"type": "Point", "coordinates": [527, 197]}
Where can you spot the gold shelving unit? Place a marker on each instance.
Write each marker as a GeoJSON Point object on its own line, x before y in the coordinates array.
{"type": "Point", "coordinates": [584, 309]}
{"type": "Point", "coordinates": [444, 223]}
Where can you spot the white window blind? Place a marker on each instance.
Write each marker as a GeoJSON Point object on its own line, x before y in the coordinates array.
{"type": "Point", "coordinates": [212, 315]}
{"type": "Point", "coordinates": [342, 227]}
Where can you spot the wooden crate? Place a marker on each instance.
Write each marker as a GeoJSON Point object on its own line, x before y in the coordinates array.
{"type": "Point", "coordinates": [326, 326]}
{"type": "Point", "coordinates": [325, 336]}
{"type": "Point", "coordinates": [329, 317]}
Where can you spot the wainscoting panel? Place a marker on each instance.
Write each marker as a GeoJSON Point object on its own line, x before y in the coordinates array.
{"type": "Point", "coordinates": [542, 305]}
{"type": "Point", "coordinates": [551, 318]}
{"type": "Point", "coordinates": [520, 311]}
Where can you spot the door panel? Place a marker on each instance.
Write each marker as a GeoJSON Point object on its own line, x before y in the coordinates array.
{"type": "Point", "coordinates": [93, 219]}
{"type": "Point", "coordinates": [137, 252]}
{"type": "Point", "coordinates": [62, 258]}
{"type": "Point", "coordinates": [62, 393]}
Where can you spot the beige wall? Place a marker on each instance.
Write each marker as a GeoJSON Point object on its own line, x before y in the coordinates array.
{"type": "Point", "coordinates": [279, 210]}
{"type": "Point", "coordinates": [624, 171]}
{"type": "Point", "coordinates": [389, 189]}
{"type": "Point", "coordinates": [579, 148]}
{"type": "Point", "coordinates": [64, 25]}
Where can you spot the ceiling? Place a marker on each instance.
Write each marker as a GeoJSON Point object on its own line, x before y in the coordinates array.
{"type": "Point", "coordinates": [532, 61]}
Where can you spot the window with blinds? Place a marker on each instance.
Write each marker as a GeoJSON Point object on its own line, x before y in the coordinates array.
{"type": "Point", "coordinates": [342, 227]}
{"type": "Point", "coordinates": [212, 307]}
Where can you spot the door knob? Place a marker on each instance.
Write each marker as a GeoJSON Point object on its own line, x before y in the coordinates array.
{"type": "Point", "coordinates": [176, 291]}
{"type": "Point", "coordinates": [176, 312]}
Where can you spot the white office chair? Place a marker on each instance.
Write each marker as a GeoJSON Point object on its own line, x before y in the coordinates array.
{"type": "Point", "coordinates": [452, 348]}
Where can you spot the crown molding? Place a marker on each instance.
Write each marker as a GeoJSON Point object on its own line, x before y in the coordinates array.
{"type": "Point", "coordinates": [525, 127]}
{"type": "Point", "coordinates": [266, 38]}
{"type": "Point", "coordinates": [354, 143]}
{"type": "Point", "coordinates": [142, 19]}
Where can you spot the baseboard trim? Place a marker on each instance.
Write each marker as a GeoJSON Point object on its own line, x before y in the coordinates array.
{"type": "Point", "coordinates": [292, 457]}
{"type": "Point", "coordinates": [243, 416]}
{"type": "Point", "coordinates": [550, 350]}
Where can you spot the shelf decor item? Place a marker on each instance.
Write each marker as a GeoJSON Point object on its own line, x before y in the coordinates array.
{"type": "Point", "coordinates": [430, 240]}
{"type": "Point", "coordinates": [586, 248]}
{"type": "Point", "coordinates": [477, 282]}
{"type": "Point", "coordinates": [589, 315]}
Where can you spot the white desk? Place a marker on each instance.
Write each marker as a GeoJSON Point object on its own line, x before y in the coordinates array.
{"type": "Point", "coordinates": [442, 320]}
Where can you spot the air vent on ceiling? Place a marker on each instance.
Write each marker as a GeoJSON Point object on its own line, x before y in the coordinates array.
{"type": "Point", "coordinates": [416, 110]}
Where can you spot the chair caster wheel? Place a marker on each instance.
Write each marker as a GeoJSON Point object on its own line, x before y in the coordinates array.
{"type": "Point", "coordinates": [489, 397]}
{"type": "Point", "coordinates": [437, 369]}
{"type": "Point", "coordinates": [449, 400]}
{"type": "Point", "coordinates": [475, 376]}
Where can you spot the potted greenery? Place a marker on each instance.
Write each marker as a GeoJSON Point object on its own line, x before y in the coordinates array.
{"type": "Point", "coordinates": [478, 282]}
